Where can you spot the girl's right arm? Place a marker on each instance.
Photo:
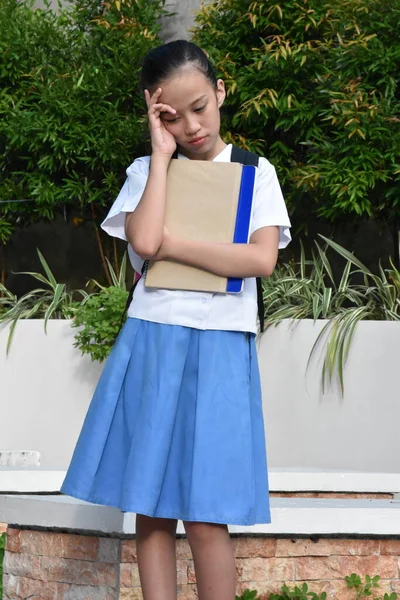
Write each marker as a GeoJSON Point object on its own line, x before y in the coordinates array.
{"type": "Point", "coordinates": [144, 227]}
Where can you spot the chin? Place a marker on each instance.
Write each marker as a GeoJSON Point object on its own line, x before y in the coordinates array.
{"type": "Point", "coordinates": [197, 151]}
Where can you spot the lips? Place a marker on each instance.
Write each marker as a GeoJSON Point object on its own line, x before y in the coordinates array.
{"type": "Point", "coordinates": [197, 141]}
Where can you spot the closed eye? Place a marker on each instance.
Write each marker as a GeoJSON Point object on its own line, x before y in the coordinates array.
{"type": "Point", "coordinates": [169, 120]}
{"type": "Point", "coordinates": [200, 109]}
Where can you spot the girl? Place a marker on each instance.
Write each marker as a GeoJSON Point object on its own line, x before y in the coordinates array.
{"type": "Point", "coordinates": [175, 428]}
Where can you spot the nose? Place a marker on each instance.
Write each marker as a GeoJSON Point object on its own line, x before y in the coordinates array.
{"type": "Point", "coordinates": [191, 126]}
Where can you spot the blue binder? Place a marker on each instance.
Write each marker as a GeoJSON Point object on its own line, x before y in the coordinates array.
{"type": "Point", "coordinates": [242, 227]}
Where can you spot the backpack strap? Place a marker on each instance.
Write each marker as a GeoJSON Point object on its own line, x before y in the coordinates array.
{"type": "Point", "coordinates": [245, 157]}
{"type": "Point", "coordinates": [130, 295]}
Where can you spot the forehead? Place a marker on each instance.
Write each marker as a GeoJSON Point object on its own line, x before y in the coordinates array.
{"type": "Point", "coordinates": [185, 87]}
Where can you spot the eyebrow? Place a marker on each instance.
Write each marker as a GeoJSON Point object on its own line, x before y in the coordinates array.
{"type": "Point", "coordinates": [194, 102]}
{"type": "Point", "coordinates": [199, 98]}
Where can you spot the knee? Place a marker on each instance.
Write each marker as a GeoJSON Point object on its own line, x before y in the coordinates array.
{"type": "Point", "coordinates": [203, 533]}
{"type": "Point", "coordinates": [146, 524]}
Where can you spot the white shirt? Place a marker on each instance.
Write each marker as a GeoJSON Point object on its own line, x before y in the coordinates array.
{"type": "Point", "coordinates": [201, 310]}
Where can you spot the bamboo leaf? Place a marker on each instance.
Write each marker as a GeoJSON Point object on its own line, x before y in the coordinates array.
{"type": "Point", "coordinates": [326, 302]}
{"type": "Point", "coordinates": [326, 263]}
{"type": "Point", "coordinates": [346, 254]}
{"type": "Point", "coordinates": [51, 279]}
{"type": "Point", "coordinates": [58, 294]}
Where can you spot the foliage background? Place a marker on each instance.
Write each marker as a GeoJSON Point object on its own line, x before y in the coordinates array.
{"type": "Point", "coordinates": [314, 85]}
{"type": "Point", "coordinates": [70, 105]}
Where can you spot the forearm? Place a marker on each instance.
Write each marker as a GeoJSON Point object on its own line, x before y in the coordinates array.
{"type": "Point", "coordinates": [144, 227]}
{"type": "Point", "coordinates": [225, 260]}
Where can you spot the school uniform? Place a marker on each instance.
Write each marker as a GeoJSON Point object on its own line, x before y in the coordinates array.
{"type": "Point", "coordinates": [175, 428]}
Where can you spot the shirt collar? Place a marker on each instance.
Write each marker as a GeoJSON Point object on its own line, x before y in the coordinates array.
{"type": "Point", "coordinates": [223, 156]}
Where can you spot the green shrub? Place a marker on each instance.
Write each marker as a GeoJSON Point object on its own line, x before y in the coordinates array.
{"type": "Point", "coordinates": [363, 587]}
{"type": "Point", "coordinates": [70, 104]}
{"type": "Point", "coordinates": [314, 85]}
{"type": "Point", "coordinates": [2, 547]}
{"type": "Point", "coordinates": [101, 317]}
{"type": "Point", "coordinates": [298, 592]}
{"type": "Point", "coordinates": [100, 320]}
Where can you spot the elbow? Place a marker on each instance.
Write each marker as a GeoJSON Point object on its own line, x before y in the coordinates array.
{"type": "Point", "coordinates": [266, 269]}
{"type": "Point", "coordinates": [145, 249]}
{"type": "Point", "coordinates": [144, 245]}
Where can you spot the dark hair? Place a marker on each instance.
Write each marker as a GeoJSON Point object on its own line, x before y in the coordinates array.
{"type": "Point", "coordinates": [163, 61]}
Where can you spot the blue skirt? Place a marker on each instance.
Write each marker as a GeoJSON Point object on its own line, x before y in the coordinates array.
{"type": "Point", "coordinates": [175, 428]}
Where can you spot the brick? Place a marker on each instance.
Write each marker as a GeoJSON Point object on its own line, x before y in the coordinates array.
{"type": "Point", "coordinates": [10, 587]}
{"type": "Point", "coordinates": [390, 547]}
{"type": "Point", "coordinates": [128, 551]}
{"type": "Point", "coordinates": [263, 588]}
{"type": "Point", "coordinates": [13, 540]}
{"type": "Point", "coordinates": [182, 571]}
{"type": "Point", "coordinates": [83, 592]}
{"type": "Point", "coordinates": [254, 547]}
{"type": "Point", "coordinates": [129, 575]}
{"type": "Point", "coordinates": [187, 592]}
{"type": "Point", "coordinates": [63, 545]}
{"type": "Point", "coordinates": [191, 575]}
{"type": "Point", "coordinates": [340, 589]}
{"type": "Point", "coordinates": [395, 585]}
{"type": "Point", "coordinates": [131, 594]}
{"type": "Point", "coordinates": [108, 550]}
{"type": "Point", "coordinates": [77, 571]}
{"type": "Point", "coordinates": [62, 570]}
{"type": "Point", "coordinates": [337, 567]}
{"type": "Point", "coordinates": [125, 579]}
{"type": "Point", "coordinates": [265, 569]}
{"type": "Point", "coordinates": [23, 588]}
{"type": "Point", "coordinates": [334, 589]}
{"type": "Point", "coordinates": [31, 588]}
{"type": "Point", "coordinates": [183, 549]}
{"type": "Point", "coordinates": [21, 565]}
{"type": "Point", "coordinates": [327, 547]}
{"type": "Point", "coordinates": [135, 579]}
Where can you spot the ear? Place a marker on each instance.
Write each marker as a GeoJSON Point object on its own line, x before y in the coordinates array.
{"type": "Point", "coordinates": [221, 93]}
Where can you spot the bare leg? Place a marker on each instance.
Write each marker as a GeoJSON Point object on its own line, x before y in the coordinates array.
{"type": "Point", "coordinates": [155, 539]}
{"type": "Point", "coordinates": [214, 560]}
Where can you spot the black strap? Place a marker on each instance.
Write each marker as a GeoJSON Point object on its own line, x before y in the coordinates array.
{"type": "Point", "coordinates": [245, 157]}
{"type": "Point", "coordinates": [130, 296]}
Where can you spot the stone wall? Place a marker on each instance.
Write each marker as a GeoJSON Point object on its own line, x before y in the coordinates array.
{"type": "Point", "coordinates": [178, 25]}
{"type": "Point", "coordinates": [63, 566]}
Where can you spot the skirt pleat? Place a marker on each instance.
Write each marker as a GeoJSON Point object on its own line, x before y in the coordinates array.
{"type": "Point", "coordinates": [175, 428]}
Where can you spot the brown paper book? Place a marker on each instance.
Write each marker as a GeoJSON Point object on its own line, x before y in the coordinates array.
{"type": "Point", "coordinates": [202, 203]}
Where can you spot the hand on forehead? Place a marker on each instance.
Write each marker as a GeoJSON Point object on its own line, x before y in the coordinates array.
{"type": "Point", "coordinates": [184, 89]}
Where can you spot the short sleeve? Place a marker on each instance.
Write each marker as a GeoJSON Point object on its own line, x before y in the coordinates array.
{"type": "Point", "coordinates": [269, 206]}
{"type": "Point", "coordinates": [126, 201]}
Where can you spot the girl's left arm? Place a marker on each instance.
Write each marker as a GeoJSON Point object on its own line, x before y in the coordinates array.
{"type": "Point", "coordinates": [255, 259]}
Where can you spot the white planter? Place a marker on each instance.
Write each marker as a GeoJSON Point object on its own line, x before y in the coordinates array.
{"type": "Point", "coordinates": [307, 429]}
{"type": "Point", "coordinates": [46, 386]}
{"type": "Point", "coordinates": [45, 389]}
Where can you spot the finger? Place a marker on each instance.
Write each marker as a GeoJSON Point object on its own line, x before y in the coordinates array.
{"type": "Point", "coordinates": [155, 96]}
{"type": "Point", "coordinates": [162, 108]}
{"type": "Point", "coordinates": [147, 97]}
